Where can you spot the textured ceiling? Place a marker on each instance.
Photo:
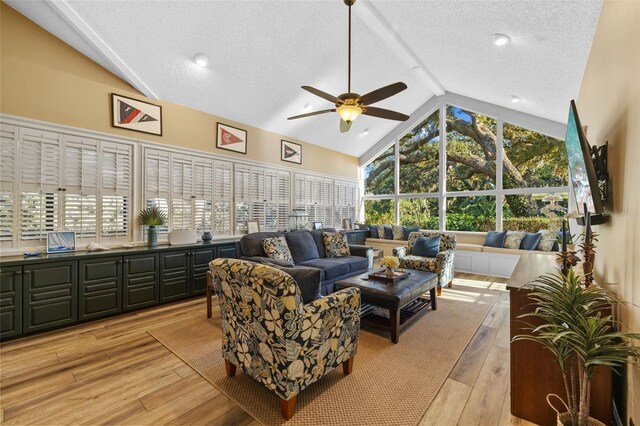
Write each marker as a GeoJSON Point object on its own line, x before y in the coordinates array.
{"type": "Point", "coordinates": [261, 52]}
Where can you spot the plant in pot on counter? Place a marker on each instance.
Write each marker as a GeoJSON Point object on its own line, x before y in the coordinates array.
{"type": "Point", "coordinates": [576, 326]}
{"type": "Point", "coordinates": [152, 217]}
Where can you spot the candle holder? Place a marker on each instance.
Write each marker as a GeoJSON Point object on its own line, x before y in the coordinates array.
{"type": "Point", "coordinates": [589, 254]}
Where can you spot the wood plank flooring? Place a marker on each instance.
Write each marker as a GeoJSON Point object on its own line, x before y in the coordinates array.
{"type": "Point", "coordinates": [113, 372]}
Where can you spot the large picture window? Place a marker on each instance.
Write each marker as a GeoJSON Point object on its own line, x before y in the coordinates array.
{"type": "Point", "coordinates": [482, 173]}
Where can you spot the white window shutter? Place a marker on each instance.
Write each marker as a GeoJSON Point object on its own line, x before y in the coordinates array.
{"type": "Point", "coordinates": [242, 191]}
{"type": "Point", "coordinates": [203, 193]}
{"type": "Point", "coordinates": [157, 181]}
{"type": "Point", "coordinates": [222, 198]}
{"type": "Point", "coordinates": [8, 170]}
{"type": "Point", "coordinates": [115, 189]}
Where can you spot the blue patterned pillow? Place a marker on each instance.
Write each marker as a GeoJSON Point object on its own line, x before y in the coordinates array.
{"type": "Point", "coordinates": [426, 247]}
{"type": "Point", "coordinates": [530, 241]}
{"type": "Point", "coordinates": [335, 244]}
{"type": "Point", "coordinates": [495, 239]}
{"type": "Point", "coordinates": [277, 248]}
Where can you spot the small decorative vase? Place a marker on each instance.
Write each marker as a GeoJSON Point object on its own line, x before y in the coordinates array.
{"type": "Point", "coordinates": [152, 236]}
{"type": "Point", "coordinates": [389, 272]}
{"type": "Point", "coordinates": [207, 237]}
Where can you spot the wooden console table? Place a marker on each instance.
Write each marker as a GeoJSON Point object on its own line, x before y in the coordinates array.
{"type": "Point", "coordinates": [534, 370]}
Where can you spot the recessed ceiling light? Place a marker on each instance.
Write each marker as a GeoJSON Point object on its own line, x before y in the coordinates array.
{"type": "Point", "coordinates": [515, 99]}
{"type": "Point", "coordinates": [501, 39]}
{"type": "Point", "coordinates": [365, 132]}
{"type": "Point", "coordinates": [201, 59]}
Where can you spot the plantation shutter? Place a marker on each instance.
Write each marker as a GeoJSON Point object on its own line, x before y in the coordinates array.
{"type": "Point", "coordinates": [242, 190]}
{"type": "Point", "coordinates": [270, 202]}
{"type": "Point", "coordinates": [40, 183]}
{"type": "Point", "coordinates": [283, 196]}
{"type": "Point", "coordinates": [80, 187]}
{"type": "Point", "coordinates": [222, 198]}
{"type": "Point", "coordinates": [181, 192]}
{"type": "Point", "coordinates": [157, 181]}
{"type": "Point", "coordinates": [203, 193]}
{"type": "Point", "coordinates": [258, 198]}
{"type": "Point", "coordinates": [8, 149]}
{"type": "Point", "coordinates": [115, 189]}
{"type": "Point", "coordinates": [346, 201]}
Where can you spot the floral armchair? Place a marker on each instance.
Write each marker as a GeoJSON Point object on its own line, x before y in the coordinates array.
{"type": "Point", "coordinates": [442, 264]}
{"type": "Point", "coordinates": [274, 337]}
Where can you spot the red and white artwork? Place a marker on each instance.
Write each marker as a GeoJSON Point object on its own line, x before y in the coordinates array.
{"type": "Point", "coordinates": [132, 114]}
{"type": "Point", "coordinates": [231, 138]}
{"type": "Point", "coordinates": [291, 152]}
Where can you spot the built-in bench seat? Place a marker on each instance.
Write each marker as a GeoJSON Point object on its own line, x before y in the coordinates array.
{"type": "Point", "coordinates": [471, 255]}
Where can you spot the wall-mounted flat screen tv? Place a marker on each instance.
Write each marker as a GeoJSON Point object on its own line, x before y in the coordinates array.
{"type": "Point", "coordinates": [583, 173]}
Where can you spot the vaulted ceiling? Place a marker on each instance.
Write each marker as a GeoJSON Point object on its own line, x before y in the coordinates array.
{"type": "Point", "coordinates": [261, 52]}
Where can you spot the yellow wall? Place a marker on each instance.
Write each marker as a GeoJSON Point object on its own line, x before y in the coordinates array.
{"type": "Point", "coordinates": [43, 78]}
{"type": "Point", "coordinates": [609, 104]}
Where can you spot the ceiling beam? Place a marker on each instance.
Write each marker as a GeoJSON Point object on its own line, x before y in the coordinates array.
{"type": "Point", "coordinates": [66, 12]}
{"type": "Point", "coordinates": [367, 13]}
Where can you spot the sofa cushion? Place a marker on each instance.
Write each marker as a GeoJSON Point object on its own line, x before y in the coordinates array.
{"type": "Point", "coordinates": [513, 239]}
{"type": "Point", "coordinates": [335, 244]}
{"type": "Point", "coordinates": [530, 241]}
{"type": "Point", "coordinates": [406, 231]}
{"type": "Point", "coordinates": [495, 239]}
{"type": "Point", "coordinates": [547, 240]}
{"type": "Point", "coordinates": [251, 244]}
{"type": "Point", "coordinates": [398, 232]}
{"type": "Point", "coordinates": [356, 263]}
{"type": "Point", "coordinates": [388, 232]}
{"type": "Point", "coordinates": [302, 246]}
{"type": "Point", "coordinates": [373, 231]}
{"type": "Point", "coordinates": [426, 247]}
{"type": "Point", "coordinates": [276, 248]}
{"type": "Point", "coordinates": [332, 268]}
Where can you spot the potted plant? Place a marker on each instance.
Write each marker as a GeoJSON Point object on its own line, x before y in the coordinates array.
{"type": "Point", "coordinates": [152, 218]}
{"type": "Point", "coordinates": [575, 325]}
{"type": "Point", "coordinates": [389, 262]}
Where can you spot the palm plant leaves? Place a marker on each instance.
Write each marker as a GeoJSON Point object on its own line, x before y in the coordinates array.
{"type": "Point", "coordinates": [152, 216]}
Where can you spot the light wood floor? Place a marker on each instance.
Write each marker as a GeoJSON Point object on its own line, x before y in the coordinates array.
{"type": "Point", "coordinates": [113, 372]}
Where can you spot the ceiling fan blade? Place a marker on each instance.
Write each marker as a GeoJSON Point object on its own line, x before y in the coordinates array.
{"type": "Point", "coordinates": [323, 95]}
{"type": "Point", "coordinates": [385, 113]}
{"type": "Point", "coordinates": [309, 114]}
{"type": "Point", "coordinates": [344, 126]}
{"type": "Point", "coordinates": [382, 93]}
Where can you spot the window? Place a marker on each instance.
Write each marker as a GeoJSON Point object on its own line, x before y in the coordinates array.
{"type": "Point", "coordinates": [379, 174]}
{"type": "Point", "coordinates": [471, 151]}
{"type": "Point", "coordinates": [380, 211]}
{"type": "Point", "coordinates": [419, 157]}
{"type": "Point", "coordinates": [528, 175]}
{"type": "Point", "coordinates": [471, 213]}
{"type": "Point", "coordinates": [420, 212]}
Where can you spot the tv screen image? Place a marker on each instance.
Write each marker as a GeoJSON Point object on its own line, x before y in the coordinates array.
{"type": "Point", "coordinates": [583, 174]}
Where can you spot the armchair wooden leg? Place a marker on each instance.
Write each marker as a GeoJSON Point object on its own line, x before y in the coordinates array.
{"type": "Point", "coordinates": [347, 366]}
{"type": "Point", "coordinates": [231, 368]}
{"type": "Point", "coordinates": [287, 407]}
{"type": "Point", "coordinates": [439, 291]}
{"type": "Point", "coordinates": [450, 284]}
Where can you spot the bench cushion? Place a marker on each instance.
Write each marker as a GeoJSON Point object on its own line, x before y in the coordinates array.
{"type": "Point", "coordinates": [469, 247]}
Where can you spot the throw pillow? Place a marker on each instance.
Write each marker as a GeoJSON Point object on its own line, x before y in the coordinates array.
{"type": "Point", "coordinates": [380, 231]}
{"type": "Point", "coordinates": [513, 239]}
{"type": "Point", "coordinates": [495, 239]}
{"type": "Point", "coordinates": [530, 241]}
{"type": "Point", "coordinates": [388, 232]}
{"type": "Point", "coordinates": [276, 248]}
{"type": "Point", "coordinates": [426, 247]}
{"type": "Point", "coordinates": [398, 232]}
{"type": "Point", "coordinates": [373, 231]}
{"type": "Point", "coordinates": [407, 231]}
{"type": "Point", "coordinates": [335, 244]}
{"type": "Point", "coordinates": [547, 240]}
{"type": "Point", "coordinates": [302, 246]}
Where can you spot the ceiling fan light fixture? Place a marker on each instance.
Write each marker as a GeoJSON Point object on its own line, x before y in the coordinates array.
{"type": "Point", "coordinates": [349, 112]}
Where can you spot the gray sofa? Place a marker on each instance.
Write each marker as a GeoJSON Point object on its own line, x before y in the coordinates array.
{"type": "Point", "coordinates": [311, 265]}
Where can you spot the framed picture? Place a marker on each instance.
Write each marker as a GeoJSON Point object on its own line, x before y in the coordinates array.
{"type": "Point", "coordinates": [61, 242]}
{"type": "Point", "coordinates": [346, 224]}
{"type": "Point", "coordinates": [132, 114]}
{"type": "Point", "coordinates": [291, 152]}
{"type": "Point", "coordinates": [231, 138]}
{"type": "Point", "coordinates": [317, 225]}
{"type": "Point", "coordinates": [253, 226]}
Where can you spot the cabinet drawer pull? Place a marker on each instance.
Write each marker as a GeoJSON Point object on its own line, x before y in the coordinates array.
{"type": "Point", "coordinates": [18, 272]}
{"type": "Point", "coordinates": [27, 271]}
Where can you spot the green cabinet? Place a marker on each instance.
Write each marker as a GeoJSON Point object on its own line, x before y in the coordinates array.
{"type": "Point", "coordinates": [357, 236]}
{"type": "Point", "coordinates": [227, 251]}
{"type": "Point", "coordinates": [200, 259]}
{"type": "Point", "coordinates": [99, 287]}
{"type": "Point", "coordinates": [10, 301]}
{"type": "Point", "coordinates": [50, 295]}
{"type": "Point", "coordinates": [175, 275]}
{"type": "Point", "coordinates": [140, 281]}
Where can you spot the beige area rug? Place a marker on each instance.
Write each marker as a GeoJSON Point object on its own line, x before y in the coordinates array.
{"type": "Point", "coordinates": [390, 384]}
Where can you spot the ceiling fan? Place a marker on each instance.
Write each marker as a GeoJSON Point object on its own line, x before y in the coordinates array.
{"type": "Point", "coordinates": [350, 105]}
